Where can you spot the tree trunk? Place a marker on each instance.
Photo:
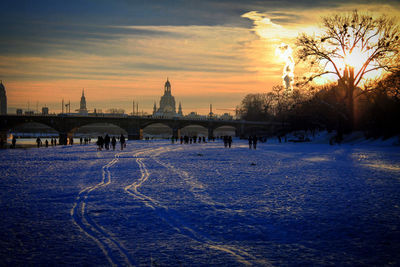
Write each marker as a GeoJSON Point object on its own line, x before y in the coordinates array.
{"type": "Point", "coordinates": [350, 98]}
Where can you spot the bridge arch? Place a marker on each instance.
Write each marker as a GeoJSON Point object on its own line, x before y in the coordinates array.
{"type": "Point", "coordinates": [256, 130]}
{"type": "Point", "coordinates": [194, 129]}
{"type": "Point", "coordinates": [11, 124]}
{"type": "Point", "coordinates": [95, 129]}
{"type": "Point", "coordinates": [32, 128]}
{"type": "Point", "coordinates": [157, 130]}
{"type": "Point", "coordinates": [225, 130]}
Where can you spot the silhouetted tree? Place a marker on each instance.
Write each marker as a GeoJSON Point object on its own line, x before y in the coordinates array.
{"type": "Point", "coordinates": [375, 41]}
{"type": "Point", "coordinates": [255, 107]}
{"type": "Point", "coordinates": [381, 115]}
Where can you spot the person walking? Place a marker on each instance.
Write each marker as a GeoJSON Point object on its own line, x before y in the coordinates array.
{"type": "Point", "coordinates": [107, 141]}
{"type": "Point", "coordinates": [230, 141]}
{"type": "Point", "coordinates": [113, 142]}
{"type": "Point", "coordinates": [99, 143]}
{"type": "Point", "coordinates": [122, 141]}
{"type": "Point", "coordinates": [14, 141]}
{"type": "Point", "coordinates": [250, 141]}
{"type": "Point", "coordinates": [255, 142]}
{"type": "Point", "coordinates": [38, 141]}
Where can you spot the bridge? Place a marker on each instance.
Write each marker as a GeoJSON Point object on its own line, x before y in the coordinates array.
{"type": "Point", "coordinates": [66, 125]}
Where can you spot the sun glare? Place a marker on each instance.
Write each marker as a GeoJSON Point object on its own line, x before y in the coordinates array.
{"type": "Point", "coordinates": [356, 59]}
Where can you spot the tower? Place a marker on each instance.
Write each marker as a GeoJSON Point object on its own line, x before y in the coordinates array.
{"type": "Point", "coordinates": [83, 101]}
{"type": "Point", "coordinates": [167, 88]}
{"type": "Point", "coordinates": [3, 99]}
{"type": "Point", "coordinates": [82, 107]}
{"type": "Point", "coordinates": [154, 108]}
{"type": "Point", "coordinates": [180, 109]}
{"type": "Point", "coordinates": [167, 103]}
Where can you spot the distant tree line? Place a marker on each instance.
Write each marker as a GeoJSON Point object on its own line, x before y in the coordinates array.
{"type": "Point", "coordinates": [376, 108]}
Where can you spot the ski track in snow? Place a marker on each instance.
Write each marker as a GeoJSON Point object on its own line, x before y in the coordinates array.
{"type": "Point", "coordinates": [112, 249]}
{"type": "Point", "coordinates": [170, 216]}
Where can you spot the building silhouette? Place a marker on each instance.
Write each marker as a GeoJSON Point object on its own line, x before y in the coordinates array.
{"type": "Point", "coordinates": [3, 99]}
{"type": "Point", "coordinates": [82, 107]}
{"type": "Point", "coordinates": [167, 106]}
{"type": "Point", "coordinates": [180, 113]}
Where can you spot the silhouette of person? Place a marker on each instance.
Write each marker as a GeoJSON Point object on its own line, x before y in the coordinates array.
{"type": "Point", "coordinates": [99, 142]}
{"type": "Point", "coordinates": [230, 141]}
{"type": "Point", "coordinates": [107, 141]}
{"type": "Point", "coordinates": [122, 141]}
{"type": "Point", "coordinates": [46, 143]}
{"type": "Point", "coordinates": [250, 141]}
{"type": "Point", "coordinates": [255, 142]}
{"type": "Point", "coordinates": [38, 142]}
{"type": "Point", "coordinates": [225, 141]}
{"type": "Point", "coordinates": [113, 142]}
{"type": "Point", "coordinates": [14, 141]}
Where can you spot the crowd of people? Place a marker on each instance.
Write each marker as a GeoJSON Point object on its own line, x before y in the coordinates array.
{"type": "Point", "coordinates": [202, 139]}
{"type": "Point", "coordinates": [108, 142]}
{"type": "Point", "coordinates": [53, 141]}
{"type": "Point", "coordinates": [46, 143]}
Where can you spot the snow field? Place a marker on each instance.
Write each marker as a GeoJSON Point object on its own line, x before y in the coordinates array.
{"type": "Point", "coordinates": [200, 205]}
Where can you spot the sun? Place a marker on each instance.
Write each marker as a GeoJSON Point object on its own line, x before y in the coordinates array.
{"type": "Point", "coordinates": [356, 59]}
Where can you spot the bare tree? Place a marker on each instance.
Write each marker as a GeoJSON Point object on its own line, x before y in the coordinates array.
{"type": "Point", "coordinates": [373, 42]}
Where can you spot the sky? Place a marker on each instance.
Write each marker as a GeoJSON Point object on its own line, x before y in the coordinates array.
{"type": "Point", "coordinates": [212, 52]}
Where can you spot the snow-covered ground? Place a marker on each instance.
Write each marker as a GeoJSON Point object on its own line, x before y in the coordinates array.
{"type": "Point", "coordinates": [164, 204]}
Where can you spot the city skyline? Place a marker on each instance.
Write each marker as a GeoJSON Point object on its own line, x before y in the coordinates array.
{"type": "Point", "coordinates": [122, 51]}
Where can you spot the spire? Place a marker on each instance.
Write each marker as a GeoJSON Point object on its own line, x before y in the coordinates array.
{"type": "Point", "coordinates": [211, 114]}
{"type": "Point", "coordinates": [180, 109]}
{"type": "Point", "coordinates": [82, 108]}
{"type": "Point", "coordinates": [154, 108]}
{"type": "Point", "coordinates": [167, 87]}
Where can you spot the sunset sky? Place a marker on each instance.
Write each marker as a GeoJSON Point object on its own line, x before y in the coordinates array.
{"type": "Point", "coordinates": [213, 52]}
